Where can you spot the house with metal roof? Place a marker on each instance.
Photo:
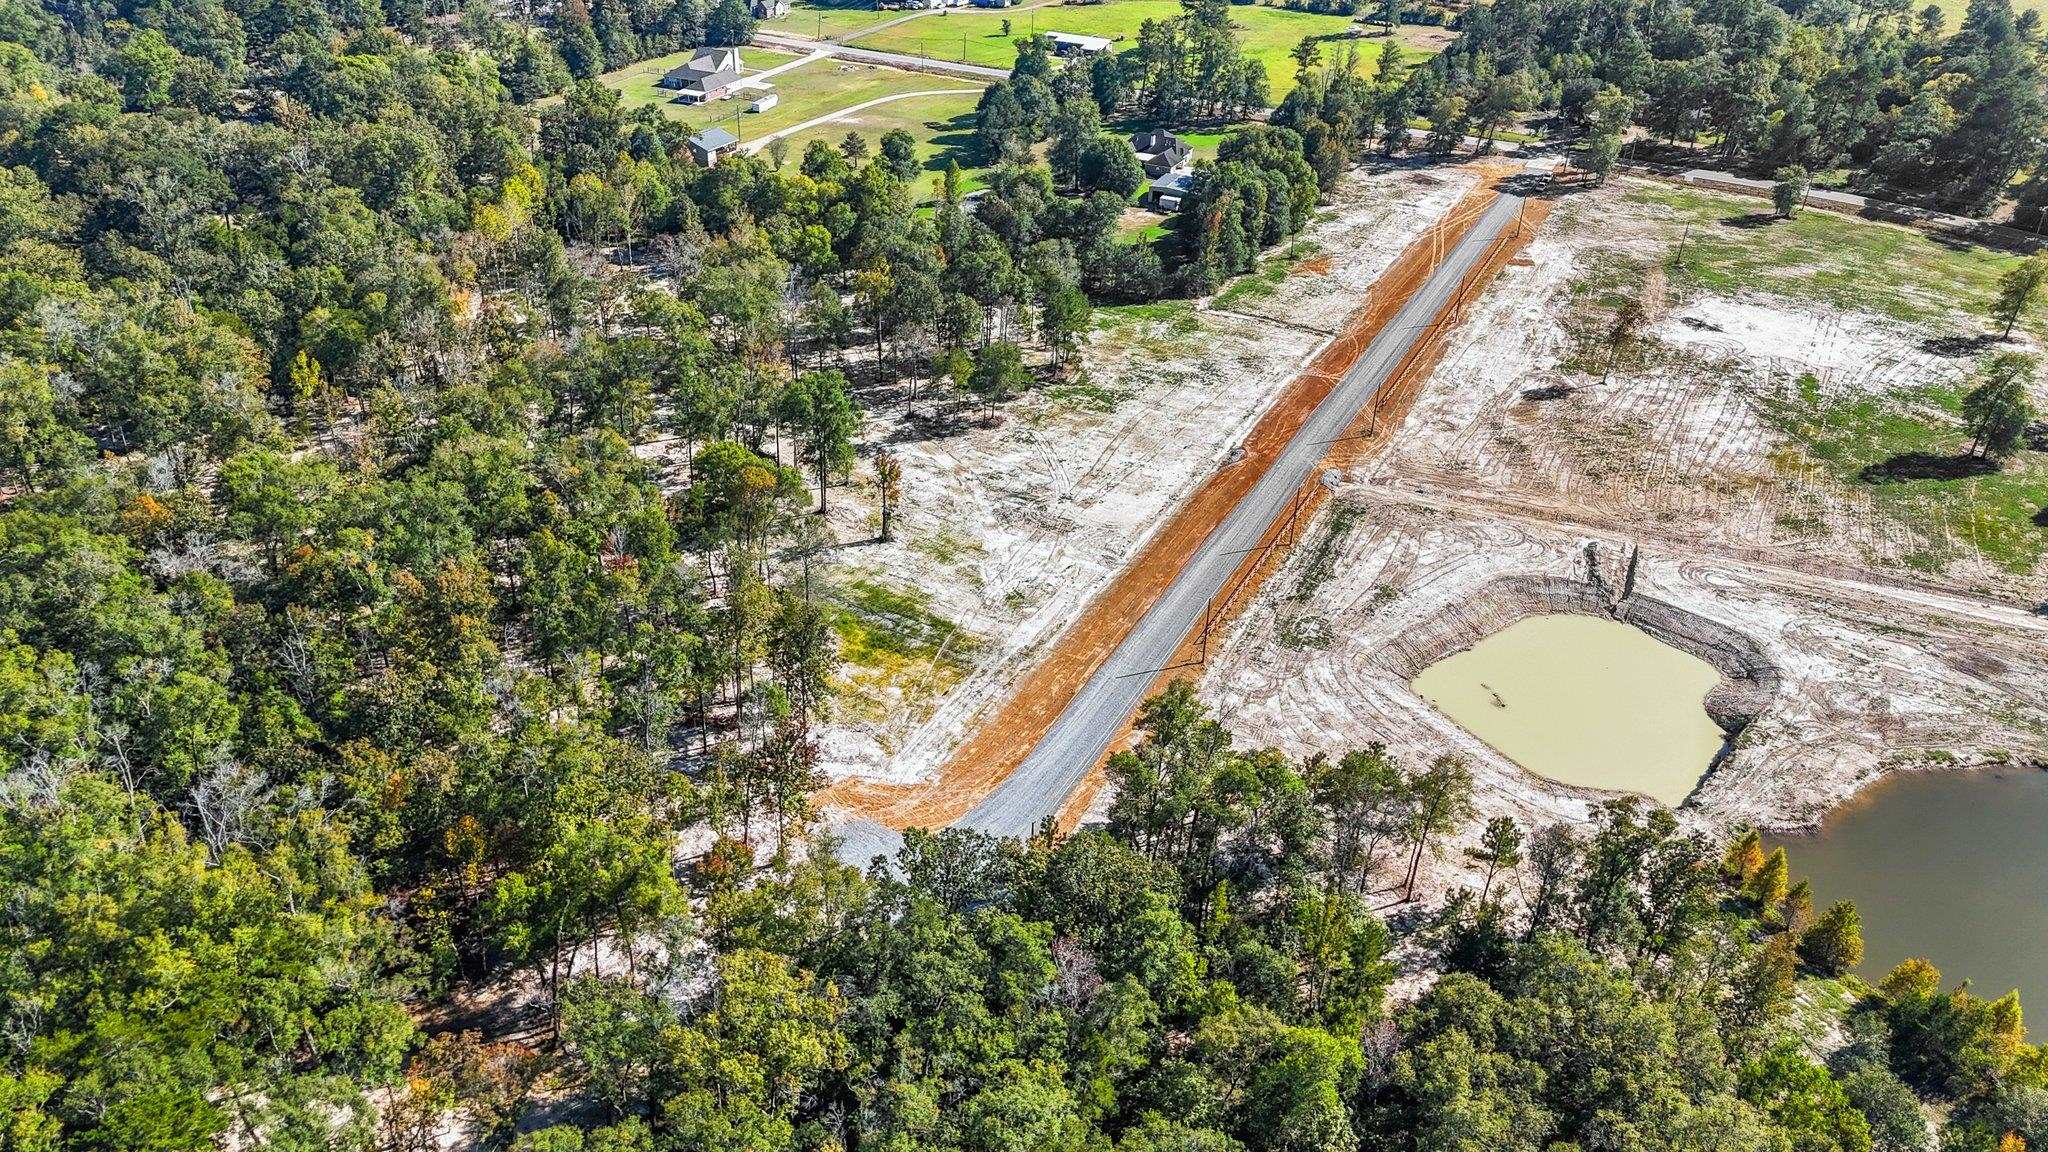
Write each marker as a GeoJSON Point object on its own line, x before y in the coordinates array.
{"type": "Point", "coordinates": [1170, 191]}
{"type": "Point", "coordinates": [1160, 152]}
{"type": "Point", "coordinates": [712, 145]}
{"type": "Point", "coordinates": [1073, 44]}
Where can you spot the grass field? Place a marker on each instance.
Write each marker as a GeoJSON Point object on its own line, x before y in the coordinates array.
{"type": "Point", "coordinates": [828, 20]}
{"type": "Point", "coordinates": [976, 36]}
{"type": "Point", "coordinates": [816, 89]}
{"type": "Point", "coordinates": [1954, 10]}
{"type": "Point", "coordinates": [1849, 263]}
{"type": "Point", "coordinates": [943, 125]}
{"type": "Point", "coordinates": [1905, 449]}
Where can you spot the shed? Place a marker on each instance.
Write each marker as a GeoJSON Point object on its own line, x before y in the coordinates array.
{"type": "Point", "coordinates": [1073, 44]}
{"type": "Point", "coordinates": [712, 145]}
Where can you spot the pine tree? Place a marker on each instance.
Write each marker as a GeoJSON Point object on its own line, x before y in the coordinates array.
{"type": "Point", "coordinates": [1797, 910]}
{"type": "Point", "coordinates": [888, 487]}
{"type": "Point", "coordinates": [1772, 880]}
{"type": "Point", "coordinates": [1499, 848]}
{"type": "Point", "coordinates": [1442, 800]}
{"type": "Point", "coordinates": [1997, 411]}
{"type": "Point", "coordinates": [1789, 191]}
{"type": "Point", "coordinates": [2017, 289]}
{"type": "Point", "coordinates": [1743, 858]}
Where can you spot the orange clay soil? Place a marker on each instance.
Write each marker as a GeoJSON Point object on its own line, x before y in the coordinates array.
{"type": "Point", "coordinates": [1367, 435]}
{"type": "Point", "coordinates": [1002, 741]}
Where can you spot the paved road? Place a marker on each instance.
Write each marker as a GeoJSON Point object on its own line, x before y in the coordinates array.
{"type": "Point", "coordinates": [1078, 739]}
{"type": "Point", "coordinates": [789, 42]}
{"type": "Point", "coordinates": [1082, 733]}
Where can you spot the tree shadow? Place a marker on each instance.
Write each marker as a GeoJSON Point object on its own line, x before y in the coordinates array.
{"type": "Point", "coordinates": [933, 420]}
{"type": "Point", "coordinates": [1928, 466]}
{"type": "Point", "coordinates": [1751, 220]}
{"type": "Point", "coordinates": [1957, 347]}
{"type": "Point", "coordinates": [954, 140]}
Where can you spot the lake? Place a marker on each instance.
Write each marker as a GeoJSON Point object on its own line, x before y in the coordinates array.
{"type": "Point", "coordinates": [1584, 700]}
{"type": "Point", "coordinates": [1951, 866]}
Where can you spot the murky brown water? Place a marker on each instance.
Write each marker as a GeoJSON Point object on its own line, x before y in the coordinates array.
{"type": "Point", "coordinates": [1584, 701]}
{"type": "Point", "coordinates": [1951, 866]}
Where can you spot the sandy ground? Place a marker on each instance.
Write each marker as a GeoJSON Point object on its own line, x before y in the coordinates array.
{"type": "Point", "coordinates": [1883, 667]}
{"type": "Point", "coordinates": [1677, 448]}
{"type": "Point", "coordinates": [1008, 530]}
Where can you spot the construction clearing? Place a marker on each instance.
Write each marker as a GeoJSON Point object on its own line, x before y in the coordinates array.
{"type": "Point", "coordinates": [1713, 469]}
{"type": "Point", "coordinates": [1661, 411]}
{"type": "Point", "coordinates": [1010, 530]}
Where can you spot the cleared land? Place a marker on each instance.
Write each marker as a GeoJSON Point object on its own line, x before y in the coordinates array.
{"type": "Point", "coordinates": [806, 92]}
{"type": "Point", "coordinates": [976, 36]}
{"type": "Point", "coordinates": [1729, 436]}
{"type": "Point", "coordinates": [1789, 391]}
{"type": "Point", "coordinates": [943, 125]}
{"type": "Point", "coordinates": [1101, 709]}
{"type": "Point", "coordinates": [1009, 529]}
{"type": "Point", "coordinates": [640, 84]}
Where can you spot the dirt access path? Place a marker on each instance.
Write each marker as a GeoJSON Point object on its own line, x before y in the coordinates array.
{"type": "Point", "coordinates": [1000, 744]}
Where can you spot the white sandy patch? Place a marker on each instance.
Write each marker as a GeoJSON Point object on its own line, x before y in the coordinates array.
{"type": "Point", "coordinates": [1012, 528]}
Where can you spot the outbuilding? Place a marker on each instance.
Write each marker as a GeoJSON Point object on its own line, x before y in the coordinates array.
{"type": "Point", "coordinates": [712, 145]}
{"type": "Point", "coordinates": [1170, 191]}
{"type": "Point", "coordinates": [1073, 44]}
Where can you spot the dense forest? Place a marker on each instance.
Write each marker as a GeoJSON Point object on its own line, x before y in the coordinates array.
{"type": "Point", "coordinates": [359, 664]}
{"type": "Point", "coordinates": [1907, 108]}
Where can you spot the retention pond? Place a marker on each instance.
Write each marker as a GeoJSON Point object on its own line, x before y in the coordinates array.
{"type": "Point", "coordinates": [1950, 866]}
{"type": "Point", "coordinates": [1585, 701]}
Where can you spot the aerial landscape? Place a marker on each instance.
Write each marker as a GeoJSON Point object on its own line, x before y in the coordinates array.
{"type": "Point", "coordinates": [1023, 576]}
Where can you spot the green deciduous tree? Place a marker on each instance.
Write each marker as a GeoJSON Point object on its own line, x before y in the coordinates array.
{"type": "Point", "coordinates": [1835, 942]}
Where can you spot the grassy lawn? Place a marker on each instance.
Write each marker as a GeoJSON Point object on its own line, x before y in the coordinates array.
{"type": "Point", "coordinates": [1954, 10]}
{"type": "Point", "coordinates": [1838, 260]}
{"type": "Point", "coordinates": [806, 93]}
{"type": "Point", "coordinates": [976, 36]}
{"type": "Point", "coordinates": [638, 84]}
{"type": "Point", "coordinates": [826, 19]}
{"type": "Point", "coordinates": [943, 125]}
{"type": "Point", "coordinates": [1271, 273]}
